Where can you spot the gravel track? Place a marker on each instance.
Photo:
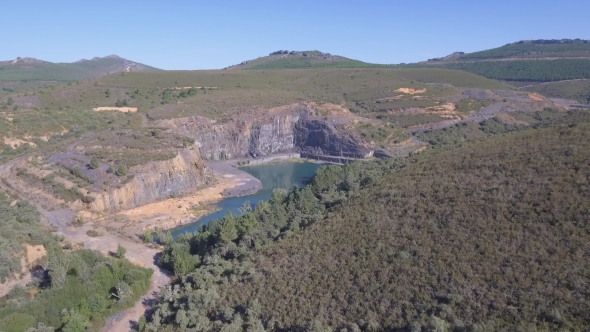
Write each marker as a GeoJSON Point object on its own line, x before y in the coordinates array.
{"type": "Point", "coordinates": [137, 253]}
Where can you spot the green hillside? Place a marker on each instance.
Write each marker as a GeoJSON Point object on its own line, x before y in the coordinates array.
{"type": "Point", "coordinates": [221, 93]}
{"type": "Point", "coordinates": [535, 48]}
{"type": "Point", "coordinates": [527, 70]}
{"type": "Point", "coordinates": [487, 237]}
{"type": "Point", "coordinates": [37, 70]}
{"type": "Point", "coordinates": [524, 61]}
{"type": "Point", "coordinates": [303, 60]}
{"type": "Point", "coordinates": [578, 90]}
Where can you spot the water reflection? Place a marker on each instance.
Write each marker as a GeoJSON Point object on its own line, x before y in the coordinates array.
{"type": "Point", "coordinates": [281, 175]}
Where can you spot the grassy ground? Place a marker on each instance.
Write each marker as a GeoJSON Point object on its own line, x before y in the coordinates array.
{"type": "Point", "coordinates": [576, 90]}
{"type": "Point", "coordinates": [217, 94]}
{"type": "Point", "coordinates": [53, 129]}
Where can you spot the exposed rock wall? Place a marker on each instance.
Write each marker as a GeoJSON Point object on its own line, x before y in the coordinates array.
{"type": "Point", "coordinates": [277, 135]}
{"type": "Point", "coordinates": [295, 129]}
{"type": "Point", "coordinates": [238, 138]}
{"type": "Point", "coordinates": [156, 180]}
{"type": "Point", "coordinates": [320, 137]}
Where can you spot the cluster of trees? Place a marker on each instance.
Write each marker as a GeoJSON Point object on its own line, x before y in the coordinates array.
{"type": "Point", "coordinates": [121, 103]}
{"type": "Point", "coordinates": [222, 250]}
{"type": "Point", "coordinates": [472, 104]}
{"type": "Point", "coordinates": [81, 290]}
{"type": "Point", "coordinates": [423, 245]}
{"type": "Point", "coordinates": [168, 95]}
{"type": "Point", "coordinates": [75, 289]}
{"type": "Point", "coordinates": [487, 237]}
{"type": "Point", "coordinates": [286, 213]}
{"type": "Point", "coordinates": [467, 132]}
{"type": "Point", "coordinates": [528, 70]}
{"type": "Point", "coordinates": [19, 225]}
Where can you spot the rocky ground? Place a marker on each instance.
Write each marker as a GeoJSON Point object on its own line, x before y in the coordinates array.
{"type": "Point", "coordinates": [231, 182]}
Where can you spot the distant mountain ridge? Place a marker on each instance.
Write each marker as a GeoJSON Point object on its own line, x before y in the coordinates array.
{"type": "Point", "coordinates": [523, 62]}
{"type": "Point", "coordinates": [527, 49]}
{"type": "Point", "coordinates": [38, 70]}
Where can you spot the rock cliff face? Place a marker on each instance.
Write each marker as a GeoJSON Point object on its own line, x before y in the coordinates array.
{"type": "Point", "coordinates": [239, 138]}
{"type": "Point", "coordinates": [320, 137]}
{"type": "Point", "coordinates": [185, 172]}
{"type": "Point", "coordinates": [295, 129]}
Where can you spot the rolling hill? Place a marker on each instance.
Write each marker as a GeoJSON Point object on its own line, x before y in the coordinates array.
{"type": "Point", "coordinates": [527, 49]}
{"type": "Point", "coordinates": [284, 59]}
{"type": "Point", "coordinates": [524, 61]}
{"type": "Point", "coordinates": [31, 69]}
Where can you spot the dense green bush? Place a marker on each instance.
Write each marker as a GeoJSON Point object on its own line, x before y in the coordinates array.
{"type": "Point", "coordinates": [83, 288]}
{"type": "Point", "coordinates": [19, 224]}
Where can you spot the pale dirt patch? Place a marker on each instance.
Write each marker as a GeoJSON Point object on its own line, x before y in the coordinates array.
{"type": "Point", "coordinates": [405, 143]}
{"type": "Point", "coordinates": [16, 142]}
{"type": "Point", "coordinates": [536, 97]}
{"type": "Point", "coordinates": [172, 212]}
{"type": "Point", "coordinates": [116, 109]}
{"type": "Point", "coordinates": [329, 109]}
{"type": "Point", "coordinates": [34, 253]}
{"type": "Point", "coordinates": [443, 110]}
{"type": "Point", "coordinates": [420, 149]}
{"type": "Point", "coordinates": [410, 91]}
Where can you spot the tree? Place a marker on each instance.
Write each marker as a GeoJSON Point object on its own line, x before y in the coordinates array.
{"type": "Point", "coordinates": [141, 323]}
{"type": "Point", "coordinates": [227, 229]}
{"type": "Point", "coordinates": [124, 291]}
{"type": "Point", "coordinates": [94, 162]}
{"type": "Point", "coordinates": [147, 236]}
{"type": "Point", "coordinates": [10, 101]}
{"type": "Point", "coordinates": [177, 257]}
{"type": "Point", "coordinates": [96, 304]}
{"type": "Point", "coordinates": [245, 208]}
{"type": "Point", "coordinates": [73, 321]}
{"type": "Point", "coordinates": [121, 251]}
{"type": "Point", "coordinates": [58, 266]}
{"type": "Point", "coordinates": [41, 328]}
{"type": "Point", "coordinates": [122, 170]}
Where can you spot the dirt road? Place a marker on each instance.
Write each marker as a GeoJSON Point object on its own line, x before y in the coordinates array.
{"type": "Point", "coordinates": [137, 253]}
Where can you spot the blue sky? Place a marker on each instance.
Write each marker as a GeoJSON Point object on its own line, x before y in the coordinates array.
{"type": "Point", "coordinates": [178, 34]}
